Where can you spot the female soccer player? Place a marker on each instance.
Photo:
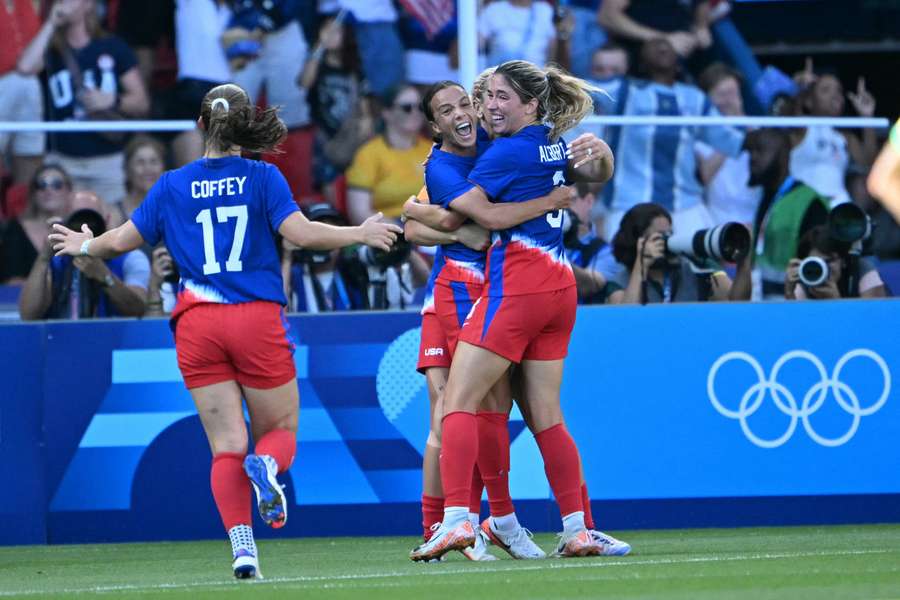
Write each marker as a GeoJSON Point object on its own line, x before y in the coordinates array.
{"type": "Point", "coordinates": [457, 279]}
{"type": "Point", "coordinates": [217, 216]}
{"type": "Point", "coordinates": [527, 309]}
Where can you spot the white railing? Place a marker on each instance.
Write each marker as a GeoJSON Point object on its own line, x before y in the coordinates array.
{"type": "Point", "coordinates": [187, 125]}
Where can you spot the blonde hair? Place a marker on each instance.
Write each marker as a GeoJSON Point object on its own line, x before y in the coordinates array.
{"type": "Point", "coordinates": [563, 100]}
{"type": "Point", "coordinates": [480, 87]}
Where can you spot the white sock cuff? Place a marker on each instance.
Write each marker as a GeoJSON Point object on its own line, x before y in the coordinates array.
{"type": "Point", "coordinates": [573, 522]}
{"type": "Point", "coordinates": [505, 522]}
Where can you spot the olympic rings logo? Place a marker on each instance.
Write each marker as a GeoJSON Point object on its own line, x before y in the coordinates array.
{"type": "Point", "coordinates": [786, 402]}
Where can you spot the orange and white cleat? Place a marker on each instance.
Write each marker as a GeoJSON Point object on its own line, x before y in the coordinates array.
{"type": "Point", "coordinates": [580, 543]}
{"type": "Point", "coordinates": [444, 540]}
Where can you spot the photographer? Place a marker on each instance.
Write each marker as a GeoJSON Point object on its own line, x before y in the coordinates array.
{"type": "Point", "coordinates": [163, 287]}
{"type": "Point", "coordinates": [826, 269]}
{"type": "Point", "coordinates": [656, 274]}
{"type": "Point", "coordinates": [591, 257]}
{"type": "Point", "coordinates": [63, 287]}
{"type": "Point", "coordinates": [323, 280]}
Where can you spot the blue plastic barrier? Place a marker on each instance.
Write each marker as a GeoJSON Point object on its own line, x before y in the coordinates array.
{"type": "Point", "coordinates": [672, 408]}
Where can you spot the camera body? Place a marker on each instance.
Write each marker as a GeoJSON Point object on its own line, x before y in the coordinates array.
{"type": "Point", "coordinates": [728, 242]}
{"type": "Point", "coordinates": [380, 259]}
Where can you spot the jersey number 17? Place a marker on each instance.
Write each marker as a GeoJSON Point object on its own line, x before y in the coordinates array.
{"type": "Point", "coordinates": [211, 266]}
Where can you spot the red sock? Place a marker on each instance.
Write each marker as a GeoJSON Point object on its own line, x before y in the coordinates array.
{"type": "Point", "coordinates": [586, 505]}
{"type": "Point", "coordinates": [231, 489]}
{"type": "Point", "coordinates": [476, 491]}
{"type": "Point", "coordinates": [493, 460]}
{"type": "Point", "coordinates": [280, 444]}
{"type": "Point", "coordinates": [459, 450]}
{"type": "Point", "coordinates": [432, 512]}
{"type": "Point", "coordinates": [562, 466]}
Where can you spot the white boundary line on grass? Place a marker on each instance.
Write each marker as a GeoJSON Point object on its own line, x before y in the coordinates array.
{"type": "Point", "coordinates": [539, 565]}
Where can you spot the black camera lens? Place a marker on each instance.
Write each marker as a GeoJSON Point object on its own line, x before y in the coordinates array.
{"type": "Point", "coordinates": [848, 223]}
{"type": "Point", "coordinates": [813, 271]}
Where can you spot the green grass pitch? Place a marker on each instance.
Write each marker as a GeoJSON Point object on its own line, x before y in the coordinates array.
{"type": "Point", "coordinates": [759, 564]}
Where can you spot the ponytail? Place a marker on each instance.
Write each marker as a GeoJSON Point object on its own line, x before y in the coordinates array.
{"type": "Point", "coordinates": [231, 120]}
{"type": "Point", "coordinates": [563, 100]}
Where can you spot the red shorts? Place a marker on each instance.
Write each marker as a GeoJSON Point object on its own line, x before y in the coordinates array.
{"type": "Point", "coordinates": [433, 349]}
{"type": "Point", "coordinates": [246, 342]}
{"type": "Point", "coordinates": [527, 327]}
{"type": "Point", "coordinates": [440, 329]}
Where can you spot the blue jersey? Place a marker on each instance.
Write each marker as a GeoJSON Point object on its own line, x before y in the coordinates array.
{"type": "Point", "coordinates": [218, 217]}
{"type": "Point", "coordinates": [446, 179]}
{"type": "Point", "coordinates": [528, 258]}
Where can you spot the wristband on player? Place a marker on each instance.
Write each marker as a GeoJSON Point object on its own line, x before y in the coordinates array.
{"type": "Point", "coordinates": [85, 245]}
{"type": "Point", "coordinates": [894, 136]}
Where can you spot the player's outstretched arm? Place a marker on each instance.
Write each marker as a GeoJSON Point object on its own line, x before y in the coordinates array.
{"type": "Point", "coordinates": [432, 215]}
{"type": "Point", "coordinates": [503, 215]}
{"type": "Point", "coordinates": [314, 235]}
{"type": "Point", "coordinates": [590, 159]}
{"type": "Point", "coordinates": [114, 242]}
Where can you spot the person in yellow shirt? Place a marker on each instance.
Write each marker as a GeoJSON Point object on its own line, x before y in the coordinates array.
{"type": "Point", "coordinates": [388, 169]}
{"type": "Point", "coordinates": [884, 179]}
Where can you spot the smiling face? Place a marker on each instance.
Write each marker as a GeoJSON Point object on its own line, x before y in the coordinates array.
{"type": "Point", "coordinates": [454, 120]}
{"type": "Point", "coordinates": [505, 110]}
{"type": "Point", "coordinates": [144, 167]}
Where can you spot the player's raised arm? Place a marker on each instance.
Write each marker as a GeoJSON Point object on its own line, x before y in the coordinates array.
{"type": "Point", "coordinates": [114, 242]}
{"type": "Point", "coordinates": [302, 232]}
{"type": "Point", "coordinates": [590, 159]}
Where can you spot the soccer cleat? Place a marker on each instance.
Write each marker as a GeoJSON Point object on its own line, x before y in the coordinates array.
{"type": "Point", "coordinates": [580, 543]}
{"type": "Point", "coordinates": [517, 544]}
{"type": "Point", "coordinates": [610, 546]}
{"type": "Point", "coordinates": [478, 551]}
{"type": "Point", "coordinates": [261, 470]}
{"type": "Point", "coordinates": [246, 565]}
{"type": "Point", "coordinates": [443, 541]}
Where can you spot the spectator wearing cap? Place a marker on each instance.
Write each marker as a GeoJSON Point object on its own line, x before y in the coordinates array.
{"type": "Point", "coordinates": [608, 61]}
{"type": "Point", "coordinates": [388, 169]}
{"type": "Point", "coordinates": [84, 287]}
{"type": "Point", "coordinates": [89, 75]}
{"type": "Point", "coordinates": [20, 94]}
{"type": "Point", "coordinates": [320, 280]}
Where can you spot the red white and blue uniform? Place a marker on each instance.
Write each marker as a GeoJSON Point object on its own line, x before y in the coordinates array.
{"type": "Point", "coordinates": [527, 308]}
{"type": "Point", "coordinates": [457, 276]}
{"type": "Point", "coordinates": [218, 217]}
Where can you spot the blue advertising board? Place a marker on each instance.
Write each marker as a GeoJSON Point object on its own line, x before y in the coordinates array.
{"type": "Point", "coordinates": [691, 415]}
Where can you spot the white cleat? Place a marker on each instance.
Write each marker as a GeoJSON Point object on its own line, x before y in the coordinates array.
{"type": "Point", "coordinates": [517, 544]}
{"type": "Point", "coordinates": [479, 551]}
{"type": "Point", "coordinates": [580, 543]}
{"type": "Point", "coordinates": [610, 546]}
{"type": "Point", "coordinates": [443, 541]}
{"type": "Point", "coordinates": [246, 565]}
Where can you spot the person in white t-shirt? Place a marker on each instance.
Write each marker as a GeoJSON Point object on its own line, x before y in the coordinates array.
{"type": "Point", "coordinates": [728, 196]}
{"type": "Point", "coordinates": [518, 30]}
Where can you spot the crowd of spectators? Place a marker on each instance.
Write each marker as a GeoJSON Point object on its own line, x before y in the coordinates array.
{"type": "Point", "coordinates": [349, 76]}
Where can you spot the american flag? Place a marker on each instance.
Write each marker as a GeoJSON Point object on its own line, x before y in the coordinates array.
{"type": "Point", "coordinates": [434, 15]}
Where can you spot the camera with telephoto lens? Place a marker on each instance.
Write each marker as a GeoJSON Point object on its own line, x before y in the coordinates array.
{"type": "Point", "coordinates": [849, 223]}
{"type": "Point", "coordinates": [381, 259]}
{"type": "Point", "coordinates": [89, 217]}
{"type": "Point", "coordinates": [310, 257]}
{"type": "Point", "coordinates": [729, 242]}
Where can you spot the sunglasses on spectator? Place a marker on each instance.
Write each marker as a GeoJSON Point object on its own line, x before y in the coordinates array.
{"type": "Point", "coordinates": [408, 107]}
{"type": "Point", "coordinates": [52, 184]}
